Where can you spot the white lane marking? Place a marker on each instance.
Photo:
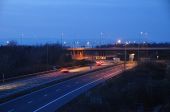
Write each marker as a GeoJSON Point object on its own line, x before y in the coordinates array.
{"type": "Point", "coordinates": [12, 110]}
{"type": "Point", "coordinates": [65, 95]}
{"type": "Point", "coordinates": [45, 95]}
{"type": "Point", "coordinates": [47, 88]}
{"type": "Point", "coordinates": [41, 90]}
{"type": "Point", "coordinates": [29, 102]}
{"type": "Point", "coordinates": [71, 92]}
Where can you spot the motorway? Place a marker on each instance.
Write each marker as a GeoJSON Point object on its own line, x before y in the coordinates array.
{"type": "Point", "coordinates": [51, 98]}
{"type": "Point", "coordinates": [21, 84]}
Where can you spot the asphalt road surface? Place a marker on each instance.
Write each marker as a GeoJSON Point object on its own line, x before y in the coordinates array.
{"type": "Point", "coordinates": [51, 98]}
{"type": "Point", "coordinates": [26, 83]}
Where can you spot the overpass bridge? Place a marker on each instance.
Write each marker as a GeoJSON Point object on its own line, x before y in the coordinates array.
{"type": "Point", "coordinates": [120, 52]}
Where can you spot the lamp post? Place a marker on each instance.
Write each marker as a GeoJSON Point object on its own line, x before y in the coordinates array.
{"type": "Point", "coordinates": [139, 45]}
{"type": "Point", "coordinates": [101, 36]}
{"type": "Point", "coordinates": [64, 43]}
{"type": "Point", "coordinates": [62, 34]}
{"type": "Point", "coordinates": [88, 44]}
{"type": "Point", "coordinates": [77, 44]}
{"type": "Point", "coordinates": [141, 35]}
{"type": "Point", "coordinates": [119, 41]}
{"type": "Point", "coordinates": [126, 43]}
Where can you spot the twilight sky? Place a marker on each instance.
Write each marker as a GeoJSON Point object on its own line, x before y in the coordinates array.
{"type": "Point", "coordinates": [43, 21]}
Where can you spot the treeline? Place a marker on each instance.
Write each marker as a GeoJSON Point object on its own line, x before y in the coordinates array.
{"type": "Point", "coordinates": [136, 45]}
{"type": "Point", "coordinates": [20, 60]}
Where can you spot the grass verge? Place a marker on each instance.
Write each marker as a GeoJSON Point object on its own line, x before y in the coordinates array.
{"type": "Point", "coordinates": [30, 90]}
{"type": "Point", "coordinates": [145, 88]}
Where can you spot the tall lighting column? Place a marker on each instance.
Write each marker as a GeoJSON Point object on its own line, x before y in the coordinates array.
{"type": "Point", "coordinates": [126, 43]}
{"type": "Point", "coordinates": [62, 35]}
{"type": "Point", "coordinates": [101, 36]}
{"type": "Point", "coordinates": [141, 33]}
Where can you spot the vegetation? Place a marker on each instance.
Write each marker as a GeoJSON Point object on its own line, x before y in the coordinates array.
{"type": "Point", "coordinates": [136, 45]}
{"type": "Point", "coordinates": [145, 88]}
{"type": "Point", "coordinates": [146, 54]}
{"type": "Point", "coordinates": [21, 60]}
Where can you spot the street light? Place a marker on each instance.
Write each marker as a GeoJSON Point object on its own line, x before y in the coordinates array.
{"type": "Point", "coordinates": [101, 36]}
{"type": "Point", "coordinates": [141, 35]}
{"type": "Point", "coordinates": [64, 43]}
{"type": "Point", "coordinates": [62, 34]}
{"type": "Point", "coordinates": [88, 44]}
{"type": "Point", "coordinates": [119, 41]}
{"type": "Point", "coordinates": [126, 43]}
{"type": "Point", "coordinates": [7, 42]}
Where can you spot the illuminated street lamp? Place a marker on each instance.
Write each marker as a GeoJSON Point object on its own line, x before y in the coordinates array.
{"type": "Point", "coordinates": [125, 52]}
{"type": "Point", "coordinates": [62, 35]}
{"type": "Point", "coordinates": [64, 43]}
{"type": "Point", "coordinates": [88, 44]}
{"type": "Point", "coordinates": [101, 36]}
{"type": "Point", "coordinates": [119, 41]}
{"type": "Point", "coordinates": [77, 44]}
{"type": "Point", "coordinates": [7, 42]}
{"type": "Point", "coordinates": [126, 43]}
{"type": "Point", "coordinates": [142, 34]}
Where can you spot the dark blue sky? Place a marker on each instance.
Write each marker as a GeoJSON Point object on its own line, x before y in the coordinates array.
{"type": "Point", "coordinates": [43, 20]}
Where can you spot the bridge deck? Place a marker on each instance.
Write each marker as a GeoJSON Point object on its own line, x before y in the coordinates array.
{"type": "Point", "coordinates": [117, 48]}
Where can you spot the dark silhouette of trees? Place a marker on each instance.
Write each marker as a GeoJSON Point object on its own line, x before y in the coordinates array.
{"type": "Point", "coordinates": [20, 60]}
{"type": "Point", "coordinates": [136, 45]}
